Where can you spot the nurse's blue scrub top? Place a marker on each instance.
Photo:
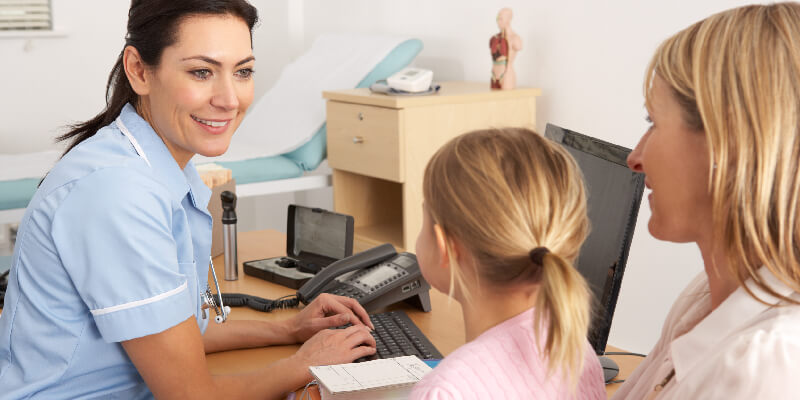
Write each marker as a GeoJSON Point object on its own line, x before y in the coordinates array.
{"type": "Point", "coordinates": [109, 249]}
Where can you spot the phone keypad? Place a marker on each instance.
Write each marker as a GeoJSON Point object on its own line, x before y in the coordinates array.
{"type": "Point", "coordinates": [348, 291]}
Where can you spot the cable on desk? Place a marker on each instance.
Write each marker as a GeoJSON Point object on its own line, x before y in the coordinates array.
{"type": "Point", "coordinates": [623, 353]}
{"type": "Point", "coordinates": [306, 395]}
{"type": "Point", "coordinates": [258, 303]}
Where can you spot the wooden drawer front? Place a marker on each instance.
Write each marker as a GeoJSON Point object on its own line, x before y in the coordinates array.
{"type": "Point", "coordinates": [365, 140]}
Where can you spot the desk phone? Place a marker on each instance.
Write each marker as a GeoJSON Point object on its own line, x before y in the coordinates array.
{"type": "Point", "coordinates": [376, 278]}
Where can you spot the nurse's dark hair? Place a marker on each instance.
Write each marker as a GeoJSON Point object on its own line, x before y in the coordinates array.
{"type": "Point", "coordinates": [152, 27]}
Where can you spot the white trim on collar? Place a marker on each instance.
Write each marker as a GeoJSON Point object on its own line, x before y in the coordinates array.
{"type": "Point", "coordinates": [132, 139]}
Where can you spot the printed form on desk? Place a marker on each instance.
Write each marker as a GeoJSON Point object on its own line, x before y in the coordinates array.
{"type": "Point", "coordinates": [390, 378]}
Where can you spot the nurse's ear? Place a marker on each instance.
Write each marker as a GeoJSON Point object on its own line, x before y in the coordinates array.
{"type": "Point", "coordinates": [137, 71]}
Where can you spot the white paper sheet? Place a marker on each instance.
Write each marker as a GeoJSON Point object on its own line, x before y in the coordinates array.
{"type": "Point", "coordinates": [398, 371]}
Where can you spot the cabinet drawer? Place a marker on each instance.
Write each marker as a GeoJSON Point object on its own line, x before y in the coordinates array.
{"type": "Point", "coordinates": [365, 140]}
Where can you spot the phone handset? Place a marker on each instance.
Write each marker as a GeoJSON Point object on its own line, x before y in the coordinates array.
{"type": "Point", "coordinates": [361, 260]}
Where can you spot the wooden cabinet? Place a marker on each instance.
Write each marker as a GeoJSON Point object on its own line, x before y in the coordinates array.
{"type": "Point", "coordinates": [378, 147]}
{"type": "Point", "coordinates": [365, 139]}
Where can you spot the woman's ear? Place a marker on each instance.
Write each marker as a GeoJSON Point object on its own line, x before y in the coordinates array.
{"type": "Point", "coordinates": [441, 245]}
{"type": "Point", "coordinates": [136, 71]}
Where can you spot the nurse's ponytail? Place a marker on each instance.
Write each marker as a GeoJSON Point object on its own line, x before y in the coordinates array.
{"type": "Point", "coordinates": [152, 27]}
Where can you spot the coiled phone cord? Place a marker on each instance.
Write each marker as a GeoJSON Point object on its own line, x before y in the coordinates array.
{"type": "Point", "coordinates": [258, 303]}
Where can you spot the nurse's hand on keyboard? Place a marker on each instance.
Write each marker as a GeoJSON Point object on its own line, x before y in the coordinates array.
{"type": "Point", "coordinates": [324, 312]}
{"type": "Point", "coordinates": [335, 346]}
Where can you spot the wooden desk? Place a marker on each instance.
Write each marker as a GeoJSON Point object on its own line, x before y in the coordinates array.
{"type": "Point", "coordinates": [444, 325]}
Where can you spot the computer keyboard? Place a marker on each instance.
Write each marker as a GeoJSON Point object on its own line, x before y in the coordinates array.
{"type": "Point", "coordinates": [396, 335]}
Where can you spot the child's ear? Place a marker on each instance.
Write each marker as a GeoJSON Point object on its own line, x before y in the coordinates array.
{"type": "Point", "coordinates": [441, 245]}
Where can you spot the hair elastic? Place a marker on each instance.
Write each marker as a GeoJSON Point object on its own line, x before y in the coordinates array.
{"type": "Point", "coordinates": [537, 255]}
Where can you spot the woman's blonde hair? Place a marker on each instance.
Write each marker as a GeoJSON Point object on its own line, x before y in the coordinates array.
{"type": "Point", "coordinates": [503, 193]}
{"type": "Point", "coordinates": [736, 76]}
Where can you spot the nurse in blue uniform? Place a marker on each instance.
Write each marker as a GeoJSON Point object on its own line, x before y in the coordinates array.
{"type": "Point", "coordinates": [113, 251]}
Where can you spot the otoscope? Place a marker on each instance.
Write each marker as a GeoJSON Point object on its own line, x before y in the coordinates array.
{"type": "Point", "coordinates": [229, 235]}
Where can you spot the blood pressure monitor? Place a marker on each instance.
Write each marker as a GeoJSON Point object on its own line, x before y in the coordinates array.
{"type": "Point", "coordinates": [411, 80]}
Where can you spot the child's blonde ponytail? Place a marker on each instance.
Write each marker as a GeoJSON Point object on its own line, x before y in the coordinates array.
{"type": "Point", "coordinates": [516, 200]}
{"type": "Point", "coordinates": [562, 304]}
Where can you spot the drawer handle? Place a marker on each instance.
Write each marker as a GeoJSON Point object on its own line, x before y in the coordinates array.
{"type": "Point", "coordinates": [358, 139]}
{"type": "Point", "coordinates": [360, 116]}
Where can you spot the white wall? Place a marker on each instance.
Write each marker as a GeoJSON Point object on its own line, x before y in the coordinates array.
{"type": "Point", "coordinates": [48, 82]}
{"type": "Point", "coordinates": [587, 56]}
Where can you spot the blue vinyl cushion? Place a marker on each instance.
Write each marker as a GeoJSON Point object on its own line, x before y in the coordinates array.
{"type": "Point", "coordinates": [262, 169]}
{"type": "Point", "coordinates": [17, 193]}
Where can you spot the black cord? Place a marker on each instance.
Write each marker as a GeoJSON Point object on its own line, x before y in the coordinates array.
{"type": "Point", "coordinates": [258, 303]}
{"type": "Point", "coordinates": [622, 353]}
{"type": "Point", "coordinates": [3, 287]}
{"type": "Point", "coordinates": [615, 381]}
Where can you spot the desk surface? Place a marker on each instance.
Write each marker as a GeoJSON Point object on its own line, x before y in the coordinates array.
{"type": "Point", "coordinates": [444, 325]}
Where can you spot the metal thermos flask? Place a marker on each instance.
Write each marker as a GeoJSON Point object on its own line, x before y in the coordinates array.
{"type": "Point", "coordinates": [229, 235]}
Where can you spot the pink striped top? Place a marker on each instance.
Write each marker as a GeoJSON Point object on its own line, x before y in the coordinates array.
{"type": "Point", "coordinates": [504, 363]}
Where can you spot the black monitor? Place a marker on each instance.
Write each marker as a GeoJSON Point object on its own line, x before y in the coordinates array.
{"type": "Point", "coordinates": [614, 193]}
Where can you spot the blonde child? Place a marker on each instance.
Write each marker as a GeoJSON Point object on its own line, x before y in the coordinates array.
{"type": "Point", "coordinates": [504, 217]}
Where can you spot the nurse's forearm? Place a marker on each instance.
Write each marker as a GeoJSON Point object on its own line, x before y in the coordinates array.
{"type": "Point", "coordinates": [233, 335]}
{"type": "Point", "coordinates": [272, 382]}
{"type": "Point", "coordinates": [173, 365]}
